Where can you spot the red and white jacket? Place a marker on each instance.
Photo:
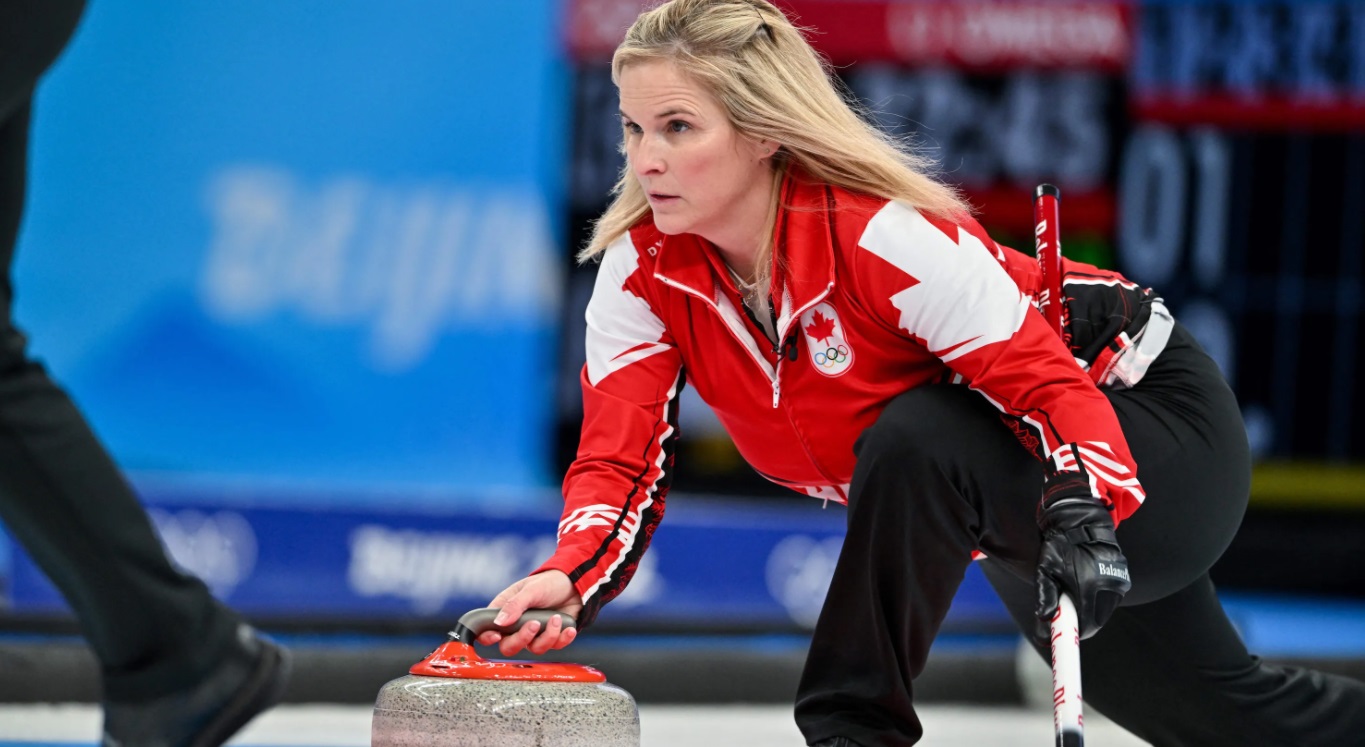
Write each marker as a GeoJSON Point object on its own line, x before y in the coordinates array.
{"type": "Point", "coordinates": [876, 298]}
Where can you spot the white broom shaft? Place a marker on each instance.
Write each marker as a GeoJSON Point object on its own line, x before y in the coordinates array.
{"type": "Point", "coordinates": [1066, 676]}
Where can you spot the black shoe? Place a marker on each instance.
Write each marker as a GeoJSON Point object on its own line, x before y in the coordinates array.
{"type": "Point", "coordinates": [249, 680]}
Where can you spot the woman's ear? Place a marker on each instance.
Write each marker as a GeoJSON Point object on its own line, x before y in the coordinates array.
{"type": "Point", "coordinates": [766, 148]}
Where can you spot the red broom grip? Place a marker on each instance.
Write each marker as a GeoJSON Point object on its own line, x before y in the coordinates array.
{"type": "Point", "coordinates": [1046, 240]}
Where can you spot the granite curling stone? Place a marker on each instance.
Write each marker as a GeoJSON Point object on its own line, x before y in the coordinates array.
{"type": "Point", "coordinates": [454, 698]}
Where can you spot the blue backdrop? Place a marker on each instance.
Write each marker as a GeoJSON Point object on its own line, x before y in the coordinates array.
{"type": "Point", "coordinates": [306, 244]}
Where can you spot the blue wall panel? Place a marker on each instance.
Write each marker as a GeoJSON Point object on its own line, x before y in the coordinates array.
{"type": "Point", "coordinates": [304, 243]}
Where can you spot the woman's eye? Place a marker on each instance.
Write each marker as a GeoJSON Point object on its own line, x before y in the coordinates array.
{"type": "Point", "coordinates": [678, 125]}
{"type": "Point", "coordinates": [631, 127]}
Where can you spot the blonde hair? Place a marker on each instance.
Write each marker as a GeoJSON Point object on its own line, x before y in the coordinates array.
{"type": "Point", "coordinates": [774, 87]}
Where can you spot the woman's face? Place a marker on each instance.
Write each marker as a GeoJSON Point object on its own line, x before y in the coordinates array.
{"type": "Point", "coordinates": [700, 175]}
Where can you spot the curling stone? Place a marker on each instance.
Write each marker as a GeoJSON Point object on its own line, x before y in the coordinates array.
{"type": "Point", "coordinates": [454, 698]}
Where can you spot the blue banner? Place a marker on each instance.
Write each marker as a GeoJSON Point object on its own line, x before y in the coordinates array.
{"type": "Point", "coordinates": [307, 243]}
{"type": "Point", "coordinates": [711, 562]}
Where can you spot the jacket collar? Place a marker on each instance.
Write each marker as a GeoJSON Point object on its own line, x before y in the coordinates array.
{"type": "Point", "coordinates": [803, 256]}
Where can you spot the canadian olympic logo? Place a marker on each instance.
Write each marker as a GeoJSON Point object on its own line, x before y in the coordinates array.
{"type": "Point", "coordinates": [827, 340]}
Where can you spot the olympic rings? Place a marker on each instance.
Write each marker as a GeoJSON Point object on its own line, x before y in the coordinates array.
{"type": "Point", "coordinates": [832, 356]}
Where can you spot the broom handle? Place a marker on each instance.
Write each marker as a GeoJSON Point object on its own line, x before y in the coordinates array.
{"type": "Point", "coordinates": [1068, 718]}
{"type": "Point", "coordinates": [1067, 712]}
{"type": "Point", "coordinates": [1047, 240]}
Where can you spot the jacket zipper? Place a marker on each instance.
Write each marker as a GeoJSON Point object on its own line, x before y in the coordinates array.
{"type": "Point", "coordinates": [750, 349]}
{"type": "Point", "coordinates": [783, 334]}
{"type": "Point", "coordinates": [785, 344]}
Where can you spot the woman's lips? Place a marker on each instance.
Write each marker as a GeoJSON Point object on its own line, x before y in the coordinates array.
{"type": "Point", "coordinates": [658, 198]}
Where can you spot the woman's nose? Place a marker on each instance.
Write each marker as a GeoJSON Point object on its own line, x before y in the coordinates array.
{"type": "Point", "coordinates": [648, 158]}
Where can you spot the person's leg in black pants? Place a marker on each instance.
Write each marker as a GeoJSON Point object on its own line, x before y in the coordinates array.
{"type": "Point", "coordinates": [152, 628]}
{"type": "Point", "coordinates": [1169, 666]}
{"type": "Point", "coordinates": [1175, 673]}
{"type": "Point", "coordinates": [158, 633]}
{"type": "Point", "coordinates": [938, 475]}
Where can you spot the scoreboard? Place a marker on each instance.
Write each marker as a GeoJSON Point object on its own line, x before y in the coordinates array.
{"type": "Point", "coordinates": [1243, 193]}
{"type": "Point", "coordinates": [1214, 151]}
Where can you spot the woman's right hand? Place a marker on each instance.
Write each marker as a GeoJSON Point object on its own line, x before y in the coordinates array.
{"type": "Point", "coordinates": [549, 590]}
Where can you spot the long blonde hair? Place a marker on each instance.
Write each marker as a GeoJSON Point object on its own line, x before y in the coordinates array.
{"type": "Point", "coordinates": [775, 87]}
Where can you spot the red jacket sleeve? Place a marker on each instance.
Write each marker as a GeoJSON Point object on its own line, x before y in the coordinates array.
{"type": "Point", "coordinates": [944, 286]}
{"type": "Point", "coordinates": [614, 492]}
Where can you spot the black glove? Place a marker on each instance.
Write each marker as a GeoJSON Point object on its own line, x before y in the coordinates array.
{"type": "Point", "coordinates": [1080, 555]}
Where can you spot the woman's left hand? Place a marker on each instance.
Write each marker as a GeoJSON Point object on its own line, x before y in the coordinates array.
{"type": "Point", "coordinates": [1081, 556]}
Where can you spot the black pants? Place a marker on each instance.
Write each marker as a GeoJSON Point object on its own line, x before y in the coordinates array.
{"type": "Point", "coordinates": [153, 628]}
{"type": "Point", "coordinates": [939, 475]}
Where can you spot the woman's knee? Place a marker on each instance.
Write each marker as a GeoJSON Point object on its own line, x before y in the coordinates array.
{"type": "Point", "coordinates": [927, 421]}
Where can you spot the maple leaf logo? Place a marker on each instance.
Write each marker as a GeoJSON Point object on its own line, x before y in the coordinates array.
{"type": "Point", "coordinates": [821, 327]}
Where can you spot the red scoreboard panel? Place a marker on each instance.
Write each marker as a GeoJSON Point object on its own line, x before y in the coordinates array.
{"type": "Point", "coordinates": [1215, 151]}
